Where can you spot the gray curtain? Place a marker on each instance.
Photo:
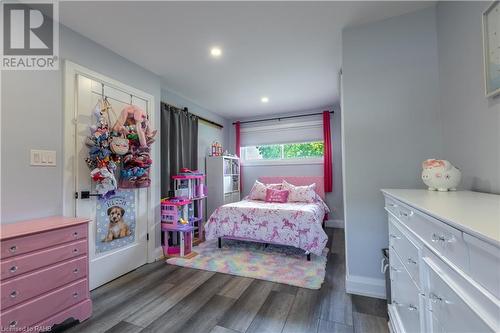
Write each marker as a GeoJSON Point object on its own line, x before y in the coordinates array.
{"type": "Point", "coordinates": [179, 143]}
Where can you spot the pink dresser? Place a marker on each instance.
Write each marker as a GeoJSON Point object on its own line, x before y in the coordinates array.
{"type": "Point", "coordinates": [44, 273]}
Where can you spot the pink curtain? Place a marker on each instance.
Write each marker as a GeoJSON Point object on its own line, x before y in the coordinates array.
{"type": "Point", "coordinates": [327, 154]}
{"type": "Point", "coordinates": [237, 151]}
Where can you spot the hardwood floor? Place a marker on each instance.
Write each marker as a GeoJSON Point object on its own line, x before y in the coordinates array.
{"type": "Point", "coordinates": [163, 298]}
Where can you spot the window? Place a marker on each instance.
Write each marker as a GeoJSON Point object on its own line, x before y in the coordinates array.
{"type": "Point", "coordinates": [304, 152]}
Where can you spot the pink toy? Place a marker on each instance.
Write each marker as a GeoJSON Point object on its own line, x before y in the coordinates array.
{"type": "Point", "coordinates": [177, 240]}
{"type": "Point", "coordinates": [175, 211]}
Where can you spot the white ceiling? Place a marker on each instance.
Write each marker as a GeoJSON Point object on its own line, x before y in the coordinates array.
{"type": "Point", "coordinates": [290, 52]}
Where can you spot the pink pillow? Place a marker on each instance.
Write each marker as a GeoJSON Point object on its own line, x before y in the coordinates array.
{"type": "Point", "coordinates": [258, 191]}
{"type": "Point", "coordinates": [300, 193]}
{"type": "Point", "coordinates": [280, 196]}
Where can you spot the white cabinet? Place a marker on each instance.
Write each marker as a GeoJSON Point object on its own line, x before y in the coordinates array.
{"type": "Point", "coordinates": [445, 271]}
{"type": "Point", "coordinates": [223, 181]}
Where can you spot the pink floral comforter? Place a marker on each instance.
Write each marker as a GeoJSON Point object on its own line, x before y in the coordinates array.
{"type": "Point", "coordinates": [296, 224]}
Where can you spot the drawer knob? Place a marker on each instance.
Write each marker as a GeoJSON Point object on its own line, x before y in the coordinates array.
{"type": "Point", "coordinates": [75, 294]}
{"type": "Point", "coordinates": [394, 269]}
{"type": "Point", "coordinates": [13, 323]}
{"type": "Point", "coordinates": [75, 250]}
{"type": "Point", "coordinates": [13, 249]}
{"type": "Point", "coordinates": [13, 294]}
{"type": "Point", "coordinates": [441, 238]}
{"type": "Point", "coordinates": [435, 298]}
{"type": "Point", "coordinates": [13, 269]}
{"type": "Point", "coordinates": [405, 214]}
{"type": "Point", "coordinates": [411, 261]}
{"type": "Point", "coordinates": [412, 307]}
{"type": "Point", "coordinates": [75, 271]}
{"type": "Point", "coordinates": [75, 234]}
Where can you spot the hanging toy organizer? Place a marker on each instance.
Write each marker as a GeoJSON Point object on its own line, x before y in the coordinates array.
{"type": "Point", "coordinates": [123, 149]}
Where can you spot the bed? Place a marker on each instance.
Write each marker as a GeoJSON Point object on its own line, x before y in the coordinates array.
{"type": "Point", "coordinates": [296, 224]}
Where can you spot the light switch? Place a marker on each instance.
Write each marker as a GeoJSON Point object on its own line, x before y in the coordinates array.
{"type": "Point", "coordinates": [42, 157]}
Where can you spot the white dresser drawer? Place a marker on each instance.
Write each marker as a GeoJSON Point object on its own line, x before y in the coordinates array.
{"type": "Point", "coordinates": [484, 264]}
{"type": "Point", "coordinates": [451, 297]}
{"type": "Point", "coordinates": [392, 206]}
{"type": "Point", "coordinates": [405, 248]}
{"type": "Point", "coordinates": [397, 208]}
{"type": "Point", "coordinates": [447, 241]}
{"type": "Point", "coordinates": [405, 296]}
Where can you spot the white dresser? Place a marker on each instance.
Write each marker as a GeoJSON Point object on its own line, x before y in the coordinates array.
{"type": "Point", "coordinates": [444, 261]}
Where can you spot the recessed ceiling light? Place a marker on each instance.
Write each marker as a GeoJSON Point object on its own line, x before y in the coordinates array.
{"type": "Point", "coordinates": [264, 99]}
{"type": "Point", "coordinates": [216, 52]}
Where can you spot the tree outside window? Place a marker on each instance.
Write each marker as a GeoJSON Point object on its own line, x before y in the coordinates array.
{"type": "Point", "coordinates": [286, 151]}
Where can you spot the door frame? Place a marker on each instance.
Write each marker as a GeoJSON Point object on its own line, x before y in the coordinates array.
{"type": "Point", "coordinates": [71, 70]}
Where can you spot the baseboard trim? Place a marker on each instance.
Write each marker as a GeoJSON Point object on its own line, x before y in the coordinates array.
{"type": "Point", "coordinates": [157, 254]}
{"type": "Point", "coordinates": [335, 224]}
{"type": "Point", "coordinates": [365, 286]}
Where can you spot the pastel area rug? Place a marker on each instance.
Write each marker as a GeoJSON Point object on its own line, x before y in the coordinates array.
{"type": "Point", "coordinates": [275, 263]}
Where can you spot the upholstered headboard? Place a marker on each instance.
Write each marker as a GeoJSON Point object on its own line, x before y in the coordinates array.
{"type": "Point", "coordinates": [299, 181]}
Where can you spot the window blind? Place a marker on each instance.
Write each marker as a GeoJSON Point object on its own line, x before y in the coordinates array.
{"type": "Point", "coordinates": [282, 132]}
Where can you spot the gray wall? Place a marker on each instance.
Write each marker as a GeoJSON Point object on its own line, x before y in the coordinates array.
{"type": "Point", "coordinates": [390, 103]}
{"type": "Point", "coordinates": [470, 122]}
{"type": "Point", "coordinates": [32, 118]}
{"type": "Point", "coordinates": [334, 199]}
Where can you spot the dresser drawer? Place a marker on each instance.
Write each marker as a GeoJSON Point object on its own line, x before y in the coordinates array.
{"type": "Point", "coordinates": [20, 245]}
{"type": "Point", "coordinates": [405, 248]}
{"type": "Point", "coordinates": [447, 241]}
{"type": "Point", "coordinates": [19, 289]}
{"type": "Point", "coordinates": [35, 310]}
{"type": "Point", "coordinates": [405, 296]}
{"type": "Point", "coordinates": [21, 264]}
{"type": "Point", "coordinates": [450, 296]}
{"type": "Point", "coordinates": [392, 206]}
{"type": "Point", "coordinates": [484, 264]}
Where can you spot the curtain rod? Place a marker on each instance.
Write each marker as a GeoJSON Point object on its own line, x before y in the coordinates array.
{"type": "Point", "coordinates": [201, 118]}
{"type": "Point", "coordinates": [280, 118]}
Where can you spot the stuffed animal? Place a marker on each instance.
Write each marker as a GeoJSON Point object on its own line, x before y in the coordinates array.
{"type": "Point", "coordinates": [440, 175]}
{"type": "Point", "coordinates": [138, 115]}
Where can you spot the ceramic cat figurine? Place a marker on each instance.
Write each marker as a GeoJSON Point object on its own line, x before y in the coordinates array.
{"type": "Point", "coordinates": [440, 175]}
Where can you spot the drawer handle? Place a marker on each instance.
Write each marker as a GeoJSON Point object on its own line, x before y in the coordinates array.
{"type": "Point", "coordinates": [441, 238]}
{"type": "Point", "coordinates": [13, 294]}
{"type": "Point", "coordinates": [394, 236]}
{"type": "Point", "coordinates": [75, 295]}
{"type": "Point", "coordinates": [13, 323]}
{"type": "Point", "coordinates": [405, 214]}
{"type": "Point", "coordinates": [392, 205]}
{"type": "Point", "coordinates": [437, 299]}
{"type": "Point", "coordinates": [75, 234]}
{"type": "Point", "coordinates": [13, 249]}
{"type": "Point", "coordinates": [411, 261]}
{"type": "Point", "coordinates": [75, 271]}
{"type": "Point", "coordinates": [13, 269]}
{"type": "Point", "coordinates": [75, 250]}
{"type": "Point", "coordinates": [412, 307]}
{"type": "Point", "coordinates": [394, 269]}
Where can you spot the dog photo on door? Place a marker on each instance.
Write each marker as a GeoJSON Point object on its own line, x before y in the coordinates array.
{"type": "Point", "coordinates": [115, 221]}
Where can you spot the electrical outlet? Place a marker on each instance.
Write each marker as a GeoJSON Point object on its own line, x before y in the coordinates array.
{"type": "Point", "coordinates": [42, 157]}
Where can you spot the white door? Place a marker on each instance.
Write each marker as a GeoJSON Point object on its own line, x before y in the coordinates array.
{"type": "Point", "coordinates": [108, 259]}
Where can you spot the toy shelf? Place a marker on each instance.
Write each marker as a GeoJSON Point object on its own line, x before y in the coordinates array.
{"type": "Point", "coordinates": [192, 187]}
